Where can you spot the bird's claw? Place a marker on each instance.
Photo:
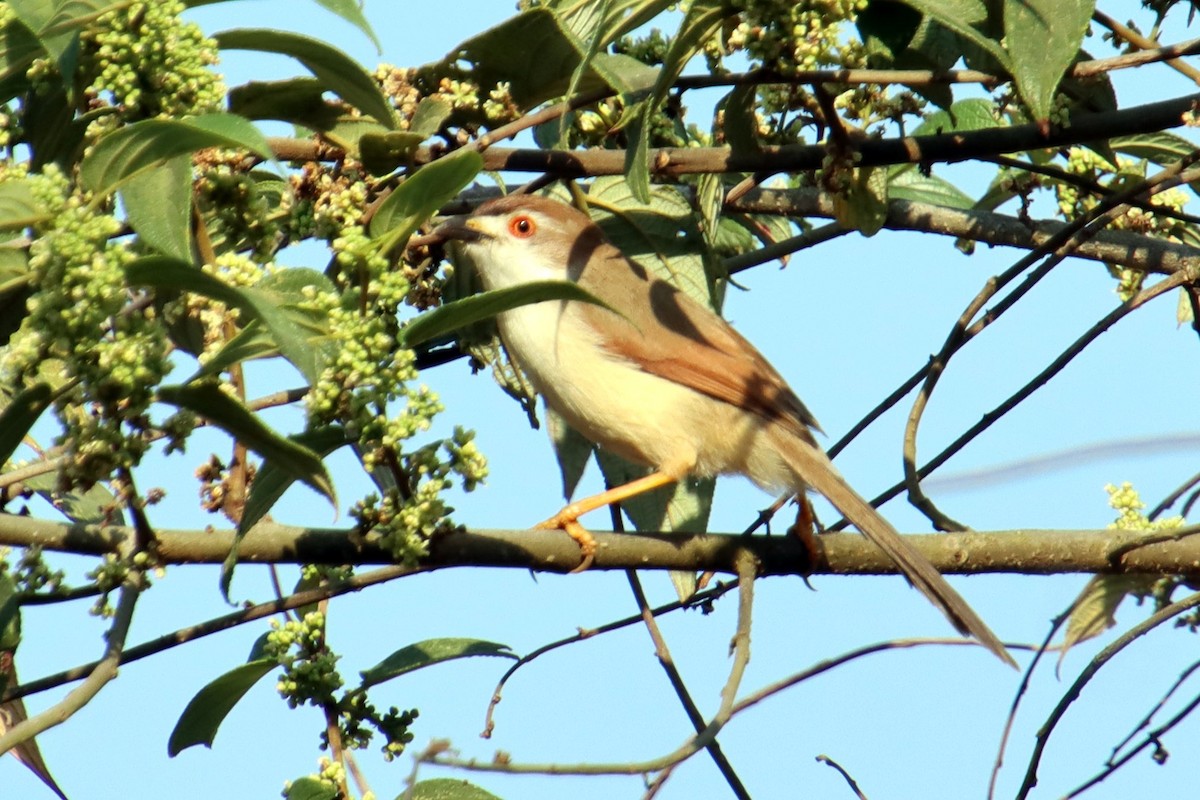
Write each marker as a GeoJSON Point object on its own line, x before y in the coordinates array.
{"type": "Point", "coordinates": [587, 544]}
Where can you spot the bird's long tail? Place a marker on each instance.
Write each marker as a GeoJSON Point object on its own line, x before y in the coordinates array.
{"type": "Point", "coordinates": [817, 471]}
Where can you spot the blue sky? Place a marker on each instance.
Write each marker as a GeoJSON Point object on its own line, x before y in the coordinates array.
{"type": "Point", "coordinates": [845, 323]}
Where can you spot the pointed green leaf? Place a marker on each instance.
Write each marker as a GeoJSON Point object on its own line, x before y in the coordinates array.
{"type": "Point", "coordinates": [967, 18]}
{"type": "Point", "coordinates": [351, 11]}
{"type": "Point", "coordinates": [1094, 610]}
{"type": "Point", "coordinates": [296, 100]}
{"type": "Point", "coordinates": [1043, 39]}
{"type": "Point", "coordinates": [1159, 147]}
{"type": "Point", "coordinates": [149, 144]}
{"type": "Point", "coordinates": [973, 114]}
{"type": "Point", "coordinates": [909, 184]}
{"type": "Point", "coordinates": [421, 195]}
{"type": "Point", "coordinates": [701, 21]}
{"type": "Point", "coordinates": [18, 48]}
{"type": "Point", "coordinates": [431, 114]}
{"type": "Point", "coordinates": [208, 401]}
{"type": "Point", "coordinates": [336, 71]}
{"type": "Point", "coordinates": [96, 506]}
{"type": "Point", "coordinates": [20, 414]}
{"type": "Point", "coordinates": [270, 483]}
{"type": "Point", "coordinates": [292, 332]}
{"type": "Point", "coordinates": [159, 207]}
{"type": "Point", "coordinates": [571, 448]}
{"type": "Point", "coordinates": [452, 316]}
{"type": "Point", "coordinates": [199, 722]}
{"type": "Point", "coordinates": [251, 342]}
{"type": "Point", "coordinates": [429, 652]}
{"type": "Point", "coordinates": [448, 789]}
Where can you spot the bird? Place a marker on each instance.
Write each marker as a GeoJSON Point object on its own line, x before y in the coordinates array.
{"type": "Point", "coordinates": [654, 376]}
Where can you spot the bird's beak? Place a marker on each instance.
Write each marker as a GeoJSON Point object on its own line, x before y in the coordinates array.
{"type": "Point", "coordinates": [463, 229]}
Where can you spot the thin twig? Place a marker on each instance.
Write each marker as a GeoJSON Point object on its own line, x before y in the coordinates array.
{"type": "Point", "coordinates": [1103, 657]}
{"type": "Point", "coordinates": [99, 674]}
{"type": "Point", "coordinates": [1148, 45]}
{"type": "Point", "coordinates": [1145, 723]}
{"type": "Point", "coordinates": [697, 600]}
{"type": "Point", "coordinates": [215, 625]}
{"type": "Point", "coordinates": [667, 662]}
{"type": "Point", "coordinates": [1022, 688]}
{"type": "Point", "coordinates": [1055, 250]}
{"type": "Point", "coordinates": [853, 784]}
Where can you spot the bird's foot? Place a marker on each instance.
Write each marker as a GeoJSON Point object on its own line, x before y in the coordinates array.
{"type": "Point", "coordinates": [564, 521]}
{"type": "Point", "coordinates": [804, 530]}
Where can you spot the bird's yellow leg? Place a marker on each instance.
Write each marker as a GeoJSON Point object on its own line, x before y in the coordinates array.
{"type": "Point", "coordinates": [568, 519]}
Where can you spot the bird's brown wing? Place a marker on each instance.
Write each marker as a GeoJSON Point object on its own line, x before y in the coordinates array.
{"type": "Point", "coordinates": [691, 346]}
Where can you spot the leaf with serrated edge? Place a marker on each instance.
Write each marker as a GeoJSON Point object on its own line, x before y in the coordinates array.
{"type": "Point", "coordinates": [339, 73]}
{"type": "Point", "coordinates": [429, 652]}
{"type": "Point", "coordinates": [199, 722]}
{"type": "Point", "coordinates": [1043, 38]}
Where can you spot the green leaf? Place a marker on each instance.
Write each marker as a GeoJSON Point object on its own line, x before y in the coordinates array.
{"type": "Point", "coordinates": [20, 414]}
{"type": "Point", "coordinates": [270, 304]}
{"type": "Point", "coordinates": [251, 342]}
{"type": "Point", "coordinates": [10, 616]}
{"type": "Point", "coordinates": [18, 48]}
{"type": "Point", "coordinates": [863, 206]}
{"type": "Point", "coordinates": [429, 652]}
{"type": "Point", "coordinates": [419, 197]}
{"type": "Point", "coordinates": [16, 287]}
{"type": "Point", "coordinates": [149, 144]}
{"type": "Point", "coordinates": [1160, 147]}
{"type": "Point", "coordinates": [458, 314]}
{"type": "Point", "coordinates": [1043, 39]}
{"type": "Point", "coordinates": [701, 21]}
{"type": "Point", "coordinates": [336, 71]}
{"type": "Point", "coordinates": [96, 506]}
{"type": "Point", "coordinates": [309, 788]}
{"type": "Point", "coordinates": [208, 401]}
{"type": "Point", "coordinates": [431, 114]}
{"type": "Point", "coordinates": [300, 101]}
{"type": "Point", "coordinates": [537, 54]}
{"type": "Point", "coordinates": [571, 448]}
{"type": "Point", "coordinates": [269, 485]}
{"type": "Point", "coordinates": [159, 207]}
{"type": "Point", "coordinates": [448, 789]}
{"type": "Point", "coordinates": [351, 11]}
{"type": "Point", "coordinates": [199, 722]}
{"type": "Point", "coordinates": [909, 184]}
{"type": "Point", "coordinates": [18, 208]}
{"type": "Point", "coordinates": [974, 114]}
{"type": "Point", "coordinates": [968, 19]}
{"type": "Point", "coordinates": [1095, 608]}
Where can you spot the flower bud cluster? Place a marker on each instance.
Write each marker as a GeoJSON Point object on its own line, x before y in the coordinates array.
{"type": "Point", "coordinates": [147, 62]}
{"type": "Point", "coordinates": [310, 675]}
{"type": "Point", "coordinates": [1074, 202]}
{"type": "Point", "coordinates": [80, 337]}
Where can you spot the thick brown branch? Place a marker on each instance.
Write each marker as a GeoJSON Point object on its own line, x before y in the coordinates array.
{"type": "Point", "coordinates": [676, 161]}
{"type": "Point", "coordinates": [1031, 552]}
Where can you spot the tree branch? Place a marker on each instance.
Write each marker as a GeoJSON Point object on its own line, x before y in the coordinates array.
{"type": "Point", "coordinates": [671, 162]}
{"type": "Point", "coordinates": [1028, 552]}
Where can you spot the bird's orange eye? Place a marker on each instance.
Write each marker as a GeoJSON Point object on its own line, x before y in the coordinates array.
{"type": "Point", "coordinates": [522, 226]}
